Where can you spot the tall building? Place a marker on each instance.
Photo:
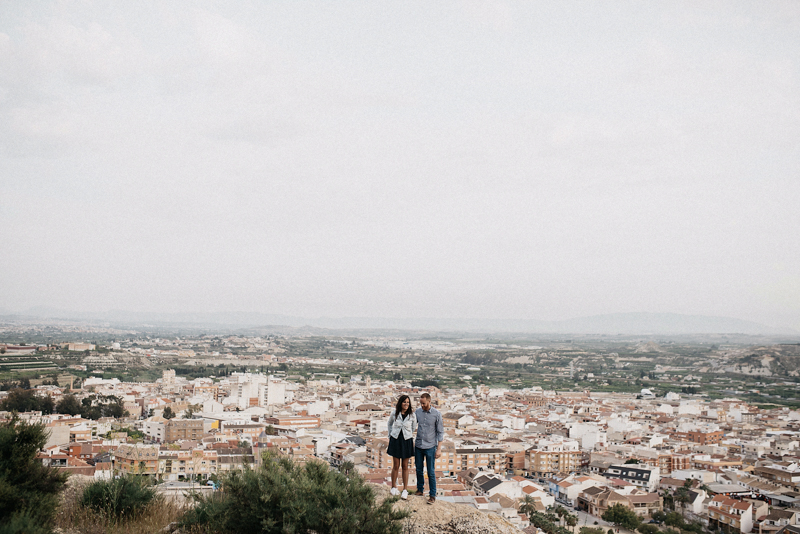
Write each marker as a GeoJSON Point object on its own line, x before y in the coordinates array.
{"type": "Point", "coordinates": [183, 429]}
{"type": "Point", "coordinates": [136, 459]}
{"type": "Point", "coordinates": [273, 392]}
{"type": "Point", "coordinates": [553, 458]}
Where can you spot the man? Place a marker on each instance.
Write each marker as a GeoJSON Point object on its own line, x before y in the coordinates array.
{"type": "Point", "coordinates": [430, 433]}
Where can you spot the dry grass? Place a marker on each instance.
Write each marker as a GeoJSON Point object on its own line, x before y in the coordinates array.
{"type": "Point", "coordinates": [74, 519]}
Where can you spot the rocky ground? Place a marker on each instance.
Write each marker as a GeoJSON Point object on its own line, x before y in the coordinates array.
{"type": "Point", "coordinates": [446, 518]}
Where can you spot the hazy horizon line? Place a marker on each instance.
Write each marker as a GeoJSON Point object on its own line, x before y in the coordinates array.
{"type": "Point", "coordinates": [618, 322]}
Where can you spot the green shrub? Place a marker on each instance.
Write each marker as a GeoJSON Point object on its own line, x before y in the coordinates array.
{"type": "Point", "coordinates": [674, 519]}
{"type": "Point", "coordinates": [28, 490]}
{"type": "Point", "coordinates": [658, 515]}
{"type": "Point", "coordinates": [621, 516]}
{"type": "Point", "coordinates": [24, 523]}
{"type": "Point", "coordinates": [281, 496]}
{"type": "Point", "coordinates": [120, 498]}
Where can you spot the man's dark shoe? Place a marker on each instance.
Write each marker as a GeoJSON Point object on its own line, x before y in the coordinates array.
{"type": "Point", "coordinates": [431, 499]}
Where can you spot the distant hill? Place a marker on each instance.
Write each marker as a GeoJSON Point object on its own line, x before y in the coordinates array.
{"type": "Point", "coordinates": [611, 324]}
{"type": "Point", "coordinates": [665, 324]}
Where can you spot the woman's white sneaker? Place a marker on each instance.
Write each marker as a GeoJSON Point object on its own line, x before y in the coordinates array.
{"type": "Point", "coordinates": [404, 495]}
{"type": "Point", "coordinates": [394, 491]}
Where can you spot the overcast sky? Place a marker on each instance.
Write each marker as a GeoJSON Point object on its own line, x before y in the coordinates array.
{"type": "Point", "coordinates": [532, 160]}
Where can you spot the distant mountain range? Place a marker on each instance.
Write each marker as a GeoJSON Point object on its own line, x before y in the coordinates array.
{"type": "Point", "coordinates": [610, 324]}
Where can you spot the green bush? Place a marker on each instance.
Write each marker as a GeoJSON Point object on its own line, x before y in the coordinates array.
{"type": "Point", "coordinates": [621, 516]}
{"type": "Point", "coordinates": [547, 523]}
{"type": "Point", "coordinates": [120, 498]}
{"type": "Point", "coordinates": [24, 523]}
{"type": "Point", "coordinates": [647, 529]}
{"type": "Point", "coordinates": [281, 497]}
{"type": "Point", "coordinates": [28, 490]}
{"type": "Point", "coordinates": [674, 519]}
{"type": "Point", "coordinates": [658, 515]}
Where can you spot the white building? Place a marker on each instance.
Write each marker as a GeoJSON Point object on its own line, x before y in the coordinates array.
{"type": "Point", "coordinates": [273, 392]}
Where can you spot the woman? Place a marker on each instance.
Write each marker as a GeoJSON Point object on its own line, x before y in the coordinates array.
{"type": "Point", "coordinates": [402, 425]}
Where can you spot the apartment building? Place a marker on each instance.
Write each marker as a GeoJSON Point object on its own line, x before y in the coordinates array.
{"type": "Point", "coordinates": [206, 389]}
{"type": "Point", "coordinates": [645, 505]}
{"type": "Point", "coordinates": [448, 460]}
{"type": "Point", "coordinates": [515, 460]}
{"type": "Point", "coordinates": [553, 458]}
{"type": "Point", "coordinates": [644, 477]}
{"type": "Point", "coordinates": [698, 436]}
{"type": "Point", "coordinates": [785, 475]}
{"type": "Point", "coordinates": [715, 463]}
{"type": "Point", "coordinates": [484, 458]}
{"type": "Point", "coordinates": [136, 459]}
{"type": "Point", "coordinates": [293, 421]}
{"type": "Point", "coordinates": [453, 421]}
{"type": "Point", "coordinates": [777, 520]}
{"type": "Point", "coordinates": [596, 500]}
{"type": "Point", "coordinates": [730, 515]}
{"type": "Point", "coordinates": [242, 431]}
{"type": "Point", "coordinates": [376, 454]}
{"type": "Point", "coordinates": [529, 400]}
{"type": "Point", "coordinates": [183, 429]}
{"type": "Point", "coordinates": [667, 462]}
{"type": "Point", "coordinates": [184, 464]}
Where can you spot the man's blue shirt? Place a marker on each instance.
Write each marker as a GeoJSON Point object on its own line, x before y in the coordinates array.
{"type": "Point", "coordinates": [430, 428]}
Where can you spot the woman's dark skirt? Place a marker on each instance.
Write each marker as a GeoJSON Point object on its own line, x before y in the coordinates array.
{"type": "Point", "coordinates": [400, 448]}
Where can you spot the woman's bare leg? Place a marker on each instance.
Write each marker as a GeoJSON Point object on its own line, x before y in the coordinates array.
{"type": "Point", "coordinates": [395, 469]}
{"type": "Point", "coordinates": [405, 473]}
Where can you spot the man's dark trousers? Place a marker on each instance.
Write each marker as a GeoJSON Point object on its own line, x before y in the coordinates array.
{"type": "Point", "coordinates": [429, 456]}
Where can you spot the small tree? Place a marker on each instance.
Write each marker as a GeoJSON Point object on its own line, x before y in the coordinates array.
{"type": "Point", "coordinates": [659, 516]}
{"type": "Point", "coordinates": [669, 500]}
{"type": "Point", "coordinates": [347, 468]}
{"type": "Point", "coordinates": [682, 494]}
{"type": "Point", "coordinates": [191, 410]}
{"type": "Point", "coordinates": [647, 529]}
{"type": "Point", "coordinates": [621, 516]}
{"type": "Point", "coordinates": [69, 405]}
{"type": "Point", "coordinates": [572, 520]}
{"type": "Point", "coordinates": [96, 406]}
{"type": "Point", "coordinates": [528, 506]}
{"type": "Point", "coordinates": [28, 490]}
{"type": "Point", "coordinates": [168, 413]}
{"type": "Point", "coordinates": [674, 519]}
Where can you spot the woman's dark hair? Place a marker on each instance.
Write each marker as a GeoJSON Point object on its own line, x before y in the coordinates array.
{"type": "Point", "coordinates": [399, 408]}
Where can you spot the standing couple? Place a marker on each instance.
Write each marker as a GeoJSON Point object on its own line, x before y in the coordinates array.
{"type": "Point", "coordinates": [427, 423]}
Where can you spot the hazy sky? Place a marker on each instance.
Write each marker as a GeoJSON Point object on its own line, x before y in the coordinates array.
{"type": "Point", "coordinates": [533, 160]}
